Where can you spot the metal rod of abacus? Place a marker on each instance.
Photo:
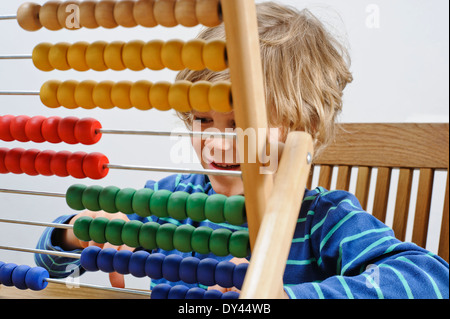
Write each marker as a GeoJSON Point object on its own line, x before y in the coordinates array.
{"type": "Point", "coordinates": [16, 57]}
{"type": "Point", "coordinates": [167, 133]}
{"type": "Point", "coordinates": [20, 93]}
{"type": "Point", "coordinates": [8, 17]}
{"type": "Point", "coordinates": [14, 191]}
{"type": "Point", "coordinates": [32, 223]}
{"type": "Point", "coordinates": [42, 251]}
{"type": "Point", "coordinates": [175, 170]}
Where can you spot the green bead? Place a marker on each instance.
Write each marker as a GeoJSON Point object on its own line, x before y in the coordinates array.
{"type": "Point", "coordinates": [124, 200]}
{"type": "Point", "coordinates": [130, 233]}
{"type": "Point", "coordinates": [97, 229]}
{"type": "Point", "coordinates": [182, 238]}
{"type": "Point", "coordinates": [107, 199]}
{"type": "Point", "coordinates": [195, 206]}
{"type": "Point", "coordinates": [73, 196]}
{"type": "Point", "coordinates": [81, 228]}
{"type": "Point", "coordinates": [90, 198]}
{"type": "Point", "coordinates": [200, 239]}
{"type": "Point", "coordinates": [158, 203]}
{"type": "Point", "coordinates": [147, 235]}
{"type": "Point", "coordinates": [214, 208]}
{"type": "Point", "coordinates": [164, 236]}
{"type": "Point", "coordinates": [234, 210]}
{"type": "Point", "coordinates": [113, 231]}
{"type": "Point", "coordinates": [240, 244]}
{"type": "Point", "coordinates": [141, 202]}
{"type": "Point", "coordinates": [176, 205]}
{"type": "Point", "coordinates": [218, 242]}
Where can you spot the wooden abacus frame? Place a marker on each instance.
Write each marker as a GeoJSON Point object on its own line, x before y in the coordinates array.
{"type": "Point", "coordinates": [272, 205]}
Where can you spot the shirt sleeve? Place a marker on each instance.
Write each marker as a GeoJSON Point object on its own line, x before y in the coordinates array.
{"type": "Point", "coordinates": [361, 258]}
{"type": "Point", "coordinates": [58, 267]}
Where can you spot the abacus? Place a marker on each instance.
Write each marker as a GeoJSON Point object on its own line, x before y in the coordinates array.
{"type": "Point", "coordinates": [271, 204]}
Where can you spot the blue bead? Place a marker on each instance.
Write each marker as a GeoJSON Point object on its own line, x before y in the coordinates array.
{"type": "Point", "coordinates": [121, 261]}
{"type": "Point", "coordinates": [105, 259]}
{"type": "Point", "coordinates": [171, 267]}
{"type": "Point", "coordinates": [178, 292]}
{"type": "Point", "coordinates": [188, 270]}
{"type": "Point", "coordinates": [153, 265]}
{"type": "Point", "coordinates": [212, 294]}
{"type": "Point", "coordinates": [195, 293]}
{"type": "Point", "coordinates": [1, 264]}
{"type": "Point", "coordinates": [239, 275]}
{"type": "Point", "coordinates": [35, 278]}
{"type": "Point", "coordinates": [224, 274]}
{"type": "Point", "coordinates": [6, 274]}
{"type": "Point", "coordinates": [137, 263]}
{"type": "Point", "coordinates": [88, 259]}
{"type": "Point", "coordinates": [18, 276]}
{"type": "Point", "coordinates": [160, 291]}
{"type": "Point", "coordinates": [206, 271]}
{"type": "Point", "coordinates": [230, 295]}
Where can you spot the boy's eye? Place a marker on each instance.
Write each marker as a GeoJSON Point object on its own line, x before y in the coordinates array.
{"type": "Point", "coordinates": [203, 120]}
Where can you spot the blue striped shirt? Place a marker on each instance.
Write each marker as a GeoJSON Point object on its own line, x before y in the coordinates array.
{"type": "Point", "coordinates": [338, 250]}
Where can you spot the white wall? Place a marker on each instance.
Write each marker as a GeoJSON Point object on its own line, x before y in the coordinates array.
{"type": "Point", "coordinates": [400, 65]}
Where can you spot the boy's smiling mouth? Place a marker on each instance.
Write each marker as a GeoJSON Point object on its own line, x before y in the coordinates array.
{"type": "Point", "coordinates": [223, 166]}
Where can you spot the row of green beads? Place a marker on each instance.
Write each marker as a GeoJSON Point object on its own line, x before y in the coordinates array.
{"type": "Point", "coordinates": [161, 203]}
{"type": "Point", "coordinates": [184, 238]}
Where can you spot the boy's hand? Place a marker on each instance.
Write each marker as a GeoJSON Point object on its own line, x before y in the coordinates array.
{"type": "Point", "coordinates": [68, 241]}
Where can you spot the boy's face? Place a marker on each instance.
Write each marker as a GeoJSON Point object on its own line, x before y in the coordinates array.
{"type": "Point", "coordinates": [221, 153]}
{"type": "Point", "coordinates": [218, 153]}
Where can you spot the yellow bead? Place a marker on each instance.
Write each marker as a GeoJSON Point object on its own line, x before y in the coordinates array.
{"type": "Point", "coordinates": [87, 14]}
{"type": "Point", "coordinates": [120, 94]}
{"type": "Point", "coordinates": [199, 96]}
{"type": "Point", "coordinates": [132, 55]}
{"type": "Point", "coordinates": [151, 55]}
{"type": "Point", "coordinates": [48, 93]}
{"type": "Point", "coordinates": [214, 55]}
{"type": "Point", "coordinates": [220, 97]}
{"type": "Point", "coordinates": [48, 15]}
{"type": "Point", "coordinates": [104, 14]}
{"type": "Point", "coordinates": [164, 13]}
{"type": "Point", "coordinates": [143, 13]}
{"type": "Point", "coordinates": [102, 94]}
{"type": "Point", "coordinates": [159, 96]}
{"type": "Point", "coordinates": [208, 12]}
{"type": "Point", "coordinates": [57, 56]}
{"type": "Point", "coordinates": [123, 13]}
{"type": "Point", "coordinates": [192, 54]}
{"type": "Point", "coordinates": [185, 13]}
{"type": "Point", "coordinates": [84, 94]}
{"type": "Point", "coordinates": [76, 56]}
{"type": "Point", "coordinates": [171, 55]}
{"type": "Point", "coordinates": [66, 94]}
{"type": "Point", "coordinates": [40, 57]}
{"type": "Point", "coordinates": [113, 55]}
{"type": "Point", "coordinates": [28, 16]}
{"type": "Point", "coordinates": [179, 96]}
{"type": "Point", "coordinates": [95, 56]}
{"type": "Point", "coordinates": [140, 95]}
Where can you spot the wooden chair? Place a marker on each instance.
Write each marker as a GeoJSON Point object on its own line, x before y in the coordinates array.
{"type": "Point", "coordinates": [406, 147]}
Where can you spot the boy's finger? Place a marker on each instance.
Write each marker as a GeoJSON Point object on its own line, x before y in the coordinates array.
{"type": "Point", "coordinates": [117, 280]}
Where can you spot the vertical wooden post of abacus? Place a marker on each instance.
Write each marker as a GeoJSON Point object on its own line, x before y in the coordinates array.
{"type": "Point", "coordinates": [246, 74]}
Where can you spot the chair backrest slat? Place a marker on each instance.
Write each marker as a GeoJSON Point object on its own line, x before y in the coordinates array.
{"type": "Point", "coordinates": [386, 148]}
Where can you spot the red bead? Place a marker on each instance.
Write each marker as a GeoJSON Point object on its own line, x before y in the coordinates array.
{"type": "Point", "coordinates": [28, 160]}
{"type": "Point", "coordinates": [17, 128]}
{"type": "Point", "coordinates": [3, 152]}
{"type": "Point", "coordinates": [94, 165]}
{"type": "Point", "coordinates": [33, 129]}
{"type": "Point", "coordinates": [5, 132]}
{"type": "Point", "coordinates": [86, 131]}
{"type": "Point", "coordinates": [43, 161]}
{"type": "Point", "coordinates": [49, 129]}
{"type": "Point", "coordinates": [66, 129]}
{"type": "Point", "coordinates": [75, 164]}
{"type": "Point", "coordinates": [58, 163]}
{"type": "Point", "coordinates": [12, 160]}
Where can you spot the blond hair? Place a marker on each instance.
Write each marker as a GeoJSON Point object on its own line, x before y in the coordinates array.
{"type": "Point", "coordinates": [305, 71]}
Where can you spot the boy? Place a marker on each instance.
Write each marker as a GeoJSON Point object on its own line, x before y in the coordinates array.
{"type": "Point", "coordinates": [338, 250]}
